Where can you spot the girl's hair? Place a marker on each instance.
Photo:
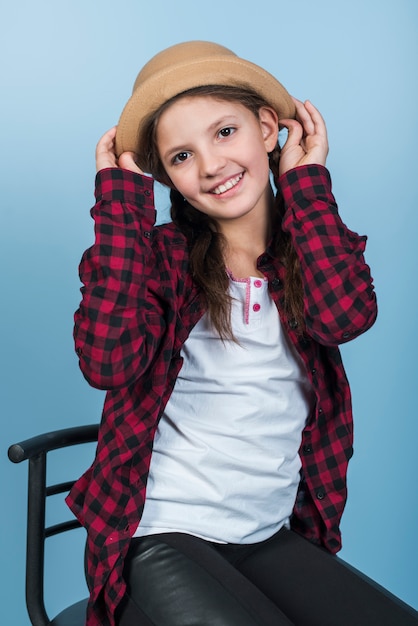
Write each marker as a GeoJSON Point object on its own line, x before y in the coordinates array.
{"type": "Point", "coordinates": [206, 243]}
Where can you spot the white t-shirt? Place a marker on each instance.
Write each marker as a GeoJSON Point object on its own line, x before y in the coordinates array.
{"type": "Point", "coordinates": [225, 463]}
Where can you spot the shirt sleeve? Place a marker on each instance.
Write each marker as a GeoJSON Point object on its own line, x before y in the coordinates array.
{"type": "Point", "coordinates": [339, 298]}
{"type": "Point", "coordinates": [121, 318]}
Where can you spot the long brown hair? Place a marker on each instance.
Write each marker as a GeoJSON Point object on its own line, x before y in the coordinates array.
{"type": "Point", "coordinates": [206, 243]}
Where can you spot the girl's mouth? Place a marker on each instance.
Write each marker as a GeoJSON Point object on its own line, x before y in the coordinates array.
{"type": "Point", "coordinates": [229, 184]}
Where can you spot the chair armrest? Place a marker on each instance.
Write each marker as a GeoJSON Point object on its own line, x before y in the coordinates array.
{"type": "Point", "coordinates": [30, 448]}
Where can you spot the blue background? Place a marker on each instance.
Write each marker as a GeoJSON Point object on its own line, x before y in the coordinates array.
{"type": "Point", "coordinates": [66, 72]}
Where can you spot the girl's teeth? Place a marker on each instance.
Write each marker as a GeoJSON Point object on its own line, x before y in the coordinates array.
{"type": "Point", "coordinates": [228, 185]}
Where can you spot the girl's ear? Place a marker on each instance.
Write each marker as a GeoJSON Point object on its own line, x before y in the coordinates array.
{"type": "Point", "coordinates": [269, 123]}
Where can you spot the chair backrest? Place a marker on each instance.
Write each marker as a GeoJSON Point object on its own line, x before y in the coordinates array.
{"type": "Point", "coordinates": [35, 451]}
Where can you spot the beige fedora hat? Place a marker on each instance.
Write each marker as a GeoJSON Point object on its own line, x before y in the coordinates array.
{"type": "Point", "coordinates": [182, 67]}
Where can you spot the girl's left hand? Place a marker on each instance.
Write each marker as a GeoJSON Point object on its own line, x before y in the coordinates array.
{"type": "Point", "coordinates": [307, 142]}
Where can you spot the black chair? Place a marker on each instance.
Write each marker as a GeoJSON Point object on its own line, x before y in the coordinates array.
{"type": "Point", "coordinates": [35, 451]}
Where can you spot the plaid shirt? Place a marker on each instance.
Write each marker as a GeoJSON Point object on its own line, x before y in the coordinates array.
{"type": "Point", "coordinates": [139, 304]}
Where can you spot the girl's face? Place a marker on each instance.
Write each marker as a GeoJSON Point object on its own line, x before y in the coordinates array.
{"type": "Point", "coordinates": [215, 153]}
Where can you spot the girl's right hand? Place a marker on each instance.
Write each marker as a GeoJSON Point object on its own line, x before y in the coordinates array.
{"type": "Point", "coordinates": [106, 156]}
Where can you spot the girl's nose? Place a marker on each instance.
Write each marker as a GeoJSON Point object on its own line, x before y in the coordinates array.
{"type": "Point", "coordinates": [211, 163]}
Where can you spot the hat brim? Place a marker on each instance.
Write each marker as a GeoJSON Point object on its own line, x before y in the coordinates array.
{"type": "Point", "coordinates": [164, 85]}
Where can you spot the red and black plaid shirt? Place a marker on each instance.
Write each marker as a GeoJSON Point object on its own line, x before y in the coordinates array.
{"type": "Point", "coordinates": [139, 304]}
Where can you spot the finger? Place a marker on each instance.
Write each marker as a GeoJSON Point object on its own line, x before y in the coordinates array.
{"type": "Point", "coordinates": [105, 150]}
{"type": "Point", "coordinates": [109, 136]}
{"type": "Point", "coordinates": [107, 141]}
{"type": "Point", "coordinates": [295, 132]}
{"type": "Point", "coordinates": [304, 116]}
{"type": "Point", "coordinates": [127, 161]}
{"type": "Point", "coordinates": [317, 119]}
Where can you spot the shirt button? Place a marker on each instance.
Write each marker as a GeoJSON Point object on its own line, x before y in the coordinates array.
{"type": "Point", "coordinates": [313, 370]}
{"type": "Point", "coordinates": [293, 324]}
{"type": "Point", "coordinates": [307, 448]}
{"type": "Point", "coordinates": [276, 282]}
{"type": "Point", "coordinates": [258, 283]}
{"type": "Point", "coordinates": [147, 192]}
{"type": "Point", "coordinates": [346, 335]}
{"type": "Point", "coordinates": [320, 494]}
{"type": "Point", "coordinates": [256, 307]}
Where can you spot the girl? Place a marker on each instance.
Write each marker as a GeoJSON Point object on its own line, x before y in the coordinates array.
{"type": "Point", "coordinates": [219, 481]}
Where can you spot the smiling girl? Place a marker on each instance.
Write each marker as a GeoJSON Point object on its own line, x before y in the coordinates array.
{"type": "Point", "coordinates": [219, 482]}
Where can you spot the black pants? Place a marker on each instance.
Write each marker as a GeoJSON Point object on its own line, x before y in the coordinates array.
{"type": "Point", "coordinates": [178, 580]}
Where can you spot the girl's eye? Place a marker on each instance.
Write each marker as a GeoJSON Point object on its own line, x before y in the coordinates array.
{"type": "Point", "coordinates": [227, 132]}
{"type": "Point", "coordinates": [181, 157]}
